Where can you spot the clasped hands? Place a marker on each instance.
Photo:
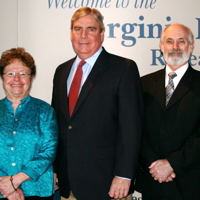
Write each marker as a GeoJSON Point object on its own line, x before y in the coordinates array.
{"type": "Point", "coordinates": [8, 191]}
{"type": "Point", "coordinates": [162, 171]}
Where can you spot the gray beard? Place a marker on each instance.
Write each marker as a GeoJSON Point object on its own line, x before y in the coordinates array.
{"type": "Point", "coordinates": [176, 60]}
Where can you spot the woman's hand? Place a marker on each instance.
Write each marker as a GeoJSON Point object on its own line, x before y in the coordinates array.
{"type": "Point", "coordinates": [17, 195]}
{"type": "Point", "coordinates": [9, 185]}
{"type": "Point", "coordinates": [6, 187]}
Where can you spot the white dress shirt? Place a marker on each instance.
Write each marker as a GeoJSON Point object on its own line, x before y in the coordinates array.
{"type": "Point", "coordinates": [179, 72]}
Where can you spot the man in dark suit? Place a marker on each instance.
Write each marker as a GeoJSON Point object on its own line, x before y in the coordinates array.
{"type": "Point", "coordinates": [170, 150]}
{"type": "Point", "coordinates": [100, 137]}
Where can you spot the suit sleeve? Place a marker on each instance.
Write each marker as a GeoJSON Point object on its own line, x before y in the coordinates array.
{"type": "Point", "coordinates": [148, 151]}
{"type": "Point", "coordinates": [147, 154]}
{"type": "Point", "coordinates": [187, 158]}
{"type": "Point", "coordinates": [130, 105]}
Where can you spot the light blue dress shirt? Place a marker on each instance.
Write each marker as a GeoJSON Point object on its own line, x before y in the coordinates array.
{"type": "Point", "coordinates": [28, 140]}
{"type": "Point", "coordinates": [87, 67]}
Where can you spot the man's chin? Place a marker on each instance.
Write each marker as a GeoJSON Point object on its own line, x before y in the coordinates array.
{"type": "Point", "coordinates": [176, 60]}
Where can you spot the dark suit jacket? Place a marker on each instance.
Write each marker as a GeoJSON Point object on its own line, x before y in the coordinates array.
{"type": "Point", "coordinates": [102, 137]}
{"type": "Point", "coordinates": [172, 133]}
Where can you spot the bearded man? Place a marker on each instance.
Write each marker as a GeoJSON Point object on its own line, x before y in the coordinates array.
{"type": "Point", "coordinates": [170, 149]}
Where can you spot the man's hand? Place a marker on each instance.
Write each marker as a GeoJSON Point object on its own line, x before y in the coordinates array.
{"type": "Point", "coordinates": [162, 171]}
{"type": "Point", "coordinates": [171, 177]}
{"type": "Point", "coordinates": [119, 188]}
{"type": "Point", "coordinates": [56, 187]}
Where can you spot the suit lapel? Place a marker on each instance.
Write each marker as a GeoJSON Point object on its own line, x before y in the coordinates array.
{"type": "Point", "coordinates": [182, 88]}
{"type": "Point", "coordinates": [159, 84]}
{"type": "Point", "coordinates": [97, 70]}
{"type": "Point", "coordinates": [64, 78]}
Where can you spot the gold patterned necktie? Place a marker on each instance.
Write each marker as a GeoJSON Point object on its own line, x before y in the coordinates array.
{"type": "Point", "coordinates": [170, 86]}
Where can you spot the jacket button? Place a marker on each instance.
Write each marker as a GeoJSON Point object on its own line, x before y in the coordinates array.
{"type": "Point", "coordinates": [69, 127]}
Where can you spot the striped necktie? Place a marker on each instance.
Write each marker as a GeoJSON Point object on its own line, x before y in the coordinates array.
{"type": "Point", "coordinates": [170, 86]}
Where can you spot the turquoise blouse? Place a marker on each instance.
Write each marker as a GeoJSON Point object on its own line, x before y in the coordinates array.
{"type": "Point", "coordinates": [28, 140]}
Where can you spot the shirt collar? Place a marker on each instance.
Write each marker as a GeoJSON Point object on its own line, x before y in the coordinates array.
{"type": "Point", "coordinates": [180, 71]}
{"type": "Point", "coordinates": [91, 60]}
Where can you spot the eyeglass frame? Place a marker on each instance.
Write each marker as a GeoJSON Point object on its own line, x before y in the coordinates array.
{"type": "Point", "coordinates": [13, 74]}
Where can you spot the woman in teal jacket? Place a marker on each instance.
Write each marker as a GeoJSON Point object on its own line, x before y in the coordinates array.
{"type": "Point", "coordinates": [28, 132]}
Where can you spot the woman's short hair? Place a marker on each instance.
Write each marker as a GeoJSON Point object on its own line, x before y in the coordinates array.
{"type": "Point", "coordinates": [13, 54]}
